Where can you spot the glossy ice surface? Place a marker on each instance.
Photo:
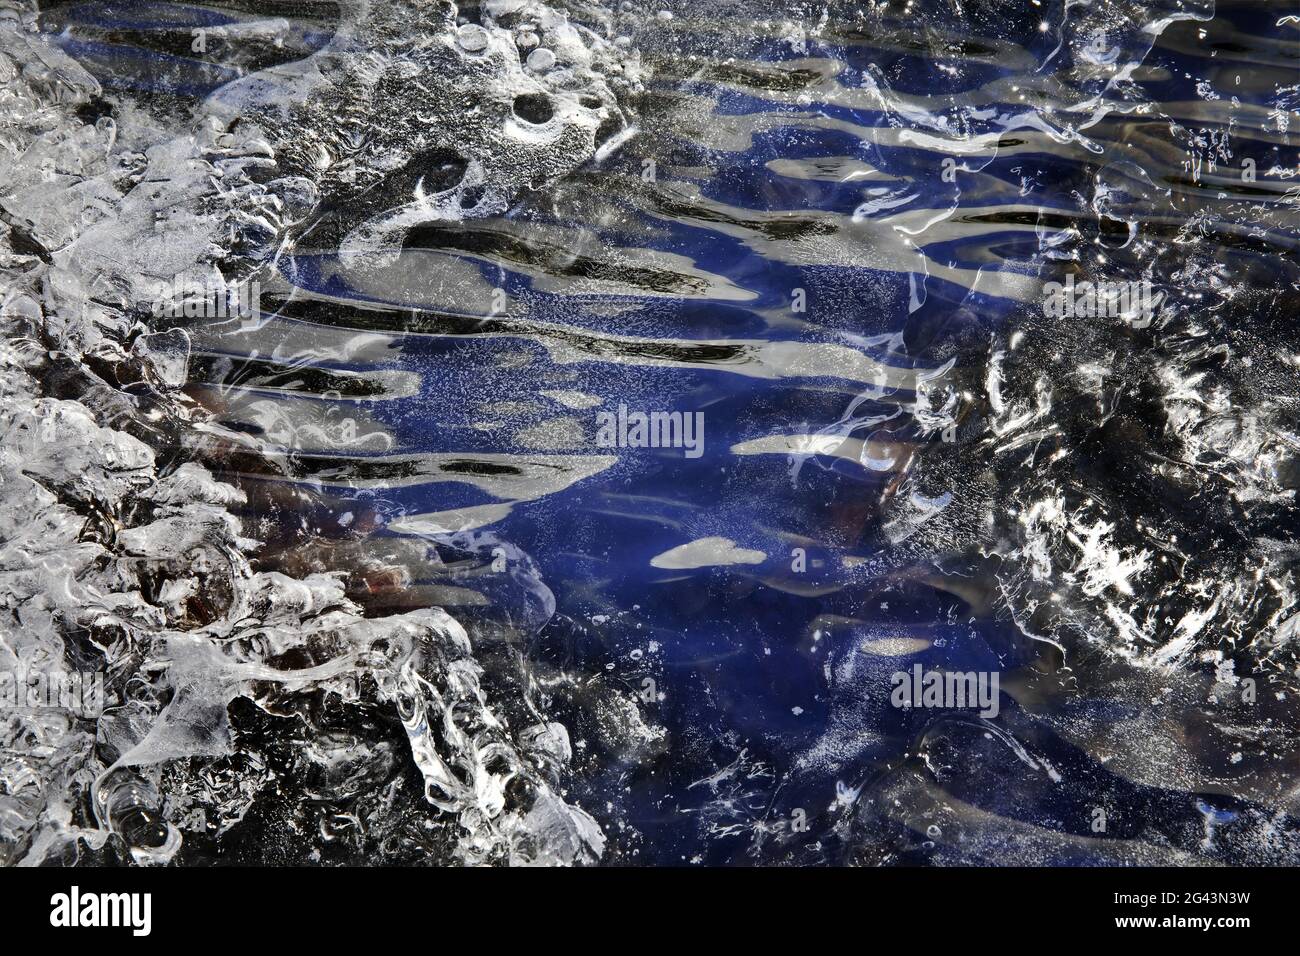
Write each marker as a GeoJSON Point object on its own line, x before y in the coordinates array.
{"type": "Point", "coordinates": [568, 434]}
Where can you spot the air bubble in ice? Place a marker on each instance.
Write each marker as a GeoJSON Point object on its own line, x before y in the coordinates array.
{"type": "Point", "coordinates": [541, 60]}
{"type": "Point", "coordinates": [472, 38]}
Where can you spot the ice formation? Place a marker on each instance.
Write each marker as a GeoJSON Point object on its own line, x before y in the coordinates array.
{"type": "Point", "coordinates": [120, 550]}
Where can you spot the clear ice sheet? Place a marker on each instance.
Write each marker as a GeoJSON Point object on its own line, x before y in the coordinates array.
{"type": "Point", "coordinates": [364, 589]}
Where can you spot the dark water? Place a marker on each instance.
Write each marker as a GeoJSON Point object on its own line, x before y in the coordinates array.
{"type": "Point", "coordinates": [827, 229]}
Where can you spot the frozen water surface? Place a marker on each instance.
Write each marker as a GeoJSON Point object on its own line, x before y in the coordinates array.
{"type": "Point", "coordinates": [698, 433]}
